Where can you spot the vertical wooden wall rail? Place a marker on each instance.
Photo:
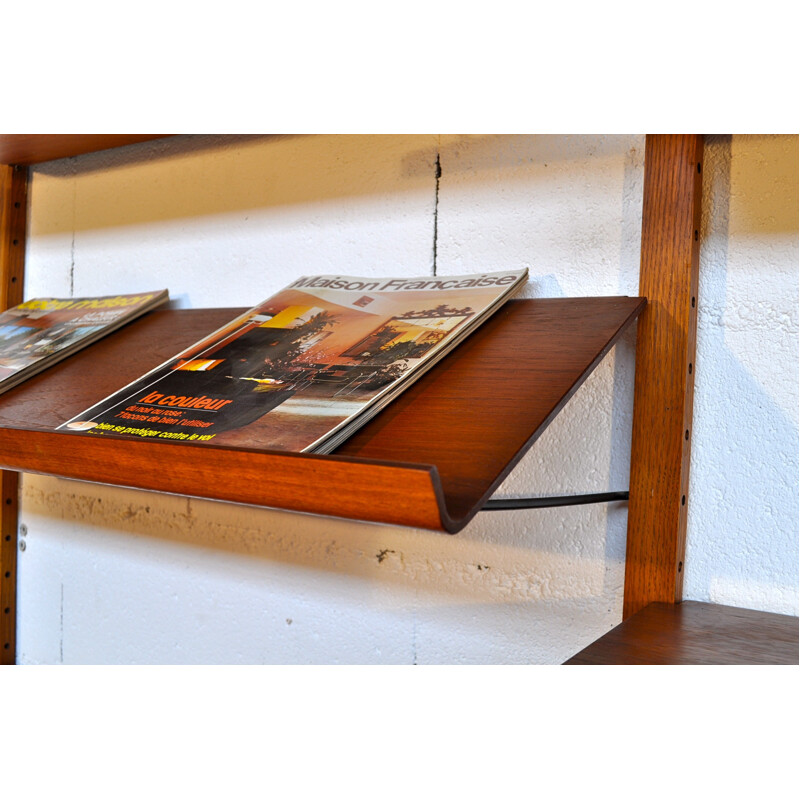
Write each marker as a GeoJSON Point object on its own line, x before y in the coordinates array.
{"type": "Point", "coordinates": [13, 214]}
{"type": "Point", "coordinates": [664, 384]}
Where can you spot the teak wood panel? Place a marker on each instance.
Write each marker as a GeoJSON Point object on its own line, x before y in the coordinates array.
{"type": "Point", "coordinates": [664, 382]}
{"type": "Point", "coordinates": [13, 210]}
{"type": "Point", "coordinates": [429, 460]}
{"type": "Point", "coordinates": [696, 633]}
{"type": "Point", "coordinates": [33, 148]}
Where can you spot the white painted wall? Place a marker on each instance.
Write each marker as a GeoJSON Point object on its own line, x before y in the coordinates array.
{"type": "Point", "coordinates": [118, 576]}
{"type": "Point", "coordinates": [742, 547]}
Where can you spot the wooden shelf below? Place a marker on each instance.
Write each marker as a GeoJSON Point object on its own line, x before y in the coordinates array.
{"type": "Point", "coordinates": [696, 633]}
{"type": "Point", "coordinates": [430, 459]}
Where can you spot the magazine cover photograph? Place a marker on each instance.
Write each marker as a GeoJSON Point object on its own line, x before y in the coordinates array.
{"type": "Point", "coordinates": [39, 332]}
{"type": "Point", "coordinates": [299, 371]}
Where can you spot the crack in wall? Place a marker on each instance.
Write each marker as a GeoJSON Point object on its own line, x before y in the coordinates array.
{"type": "Point", "coordinates": [436, 210]}
{"type": "Point", "coordinates": [74, 226]}
{"type": "Point", "coordinates": [72, 266]}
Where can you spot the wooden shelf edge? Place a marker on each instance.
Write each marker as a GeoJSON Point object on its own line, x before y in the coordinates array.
{"type": "Point", "coordinates": [25, 149]}
{"type": "Point", "coordinates": [693, 632]}
{"type": "Point", "coordinates": [456, 519]}
{"type": "Point", "coordinates": [394, 494]}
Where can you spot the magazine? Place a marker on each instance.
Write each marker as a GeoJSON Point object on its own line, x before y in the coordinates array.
{"type": "Point", "coordinates": [40, 332]}
{"type": "Point", "coordinates": [303, 369]}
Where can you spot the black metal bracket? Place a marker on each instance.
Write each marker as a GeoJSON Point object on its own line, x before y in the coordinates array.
{"type": "Point", "coordinates": [511, 503]}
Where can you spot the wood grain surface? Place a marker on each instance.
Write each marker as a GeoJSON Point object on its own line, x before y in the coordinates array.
{"type": "Point", "coordinates": [13, 211]}
{"type": "Point", "coordinates": [33, 148]}
{"type": "Point", "coordinates": [9, 489]}
{"type": "Point", "coordinates": [13, 216]}
{"type": "Point", "coordinates": [664, 382]}
{"type": "Point", "coordinates": [429, 460]}
{"type": "Point", "coordinates": [696, 633]}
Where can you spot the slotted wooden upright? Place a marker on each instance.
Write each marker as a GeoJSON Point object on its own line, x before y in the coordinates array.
{"type": "Point", "coordinates": [664, 382]}
{"type": "Point", "coordinates": [13, 199]}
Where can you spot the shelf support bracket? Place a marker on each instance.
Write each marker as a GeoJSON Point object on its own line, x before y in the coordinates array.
{"type": "Point", "coordinates": [13, 224]}
{"type": "Point", "coordinates": [513, 503]}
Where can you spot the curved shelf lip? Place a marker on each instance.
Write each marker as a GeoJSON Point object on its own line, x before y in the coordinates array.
{"type": "Point", "coordinates": [401, 494]}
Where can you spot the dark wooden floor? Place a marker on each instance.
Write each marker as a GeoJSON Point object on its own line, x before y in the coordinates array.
{"type": "Point", "coordinates": [697, 633]}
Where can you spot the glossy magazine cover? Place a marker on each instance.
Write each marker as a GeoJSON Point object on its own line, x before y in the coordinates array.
{"type": "Point", "coordinates": [300, 370]}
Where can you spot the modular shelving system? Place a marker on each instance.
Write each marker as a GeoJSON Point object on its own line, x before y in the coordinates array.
{"type": "Point", "coordinates": [434, 456]}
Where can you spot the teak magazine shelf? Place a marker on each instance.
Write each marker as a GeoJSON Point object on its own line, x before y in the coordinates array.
{"type": "Point", "coordinates": [429, 459]}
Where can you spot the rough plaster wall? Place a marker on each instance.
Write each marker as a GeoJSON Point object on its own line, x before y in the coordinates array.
{"type": "Point", "coordinates": [117, 576]}
{"type": "Point", "coordinates": [742, 547]}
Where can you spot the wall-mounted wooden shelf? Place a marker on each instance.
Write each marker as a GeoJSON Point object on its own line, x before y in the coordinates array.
{"type": "Point", "coordinates": [431, 459]}
{"type": "Point", "coordinates": [434, 456]}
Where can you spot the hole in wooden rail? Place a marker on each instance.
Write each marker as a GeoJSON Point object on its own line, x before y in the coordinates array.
{"type": "Point", "coordinates": [16, 205]}
{"type": "Point", "coordinates": [690, 369]}
{"type": "Point", "coordinates": [8, 574]}
{"type": "Point", "coordinates": [8, 501]}
{"type": "Point", "coordinates": [699, 168]}
{"type": "Point", "coordinates": [6, 646]}
{"type": "Point", "coordinates": [15, 241]}
{"type": "Point", "coordinates": [680, 566]}
{"type": "Point", "coordinates": [14, 279]}
{"type": "Point", "coordinates": [694, 302]}
{"type": "Point", "coordinates": [686, 436]}
{"type": "Point", "coordinates": [683, 500]}
{"type": "Point", "coordinates": [6, 610]}
{"type": "Point", "coordinates": [696, 235]}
